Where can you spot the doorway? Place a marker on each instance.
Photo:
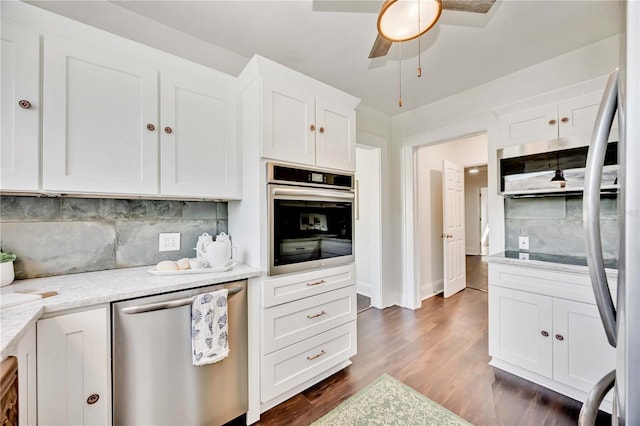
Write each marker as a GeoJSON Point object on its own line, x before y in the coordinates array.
{"type": "Point", "coordinates": [368, 246]}
{"type": "Point", "coordinates": [467, 151]}
{"type": "Point", "coordinates": [476, 226]}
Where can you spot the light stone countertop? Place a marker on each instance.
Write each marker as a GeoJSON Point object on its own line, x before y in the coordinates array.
{"type": "Point", "coordinates": [93, 288]}
{"type": "Point", "coordinates": [552, 266]}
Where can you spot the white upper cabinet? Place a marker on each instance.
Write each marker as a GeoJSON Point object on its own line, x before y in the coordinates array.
{"type": "Point", "coordinates": [116, 125]}
{"type": "Point", "coordinates": [568, 119]}
{"type": "Point", "coordinates": [301, 120]}
{"type": "Point", "coordinates": [198, 144]}
{"type": "Point", "coordinates": [20, 122]}
{"type": "Point", "coordinates": [288, 132]}
{"type": "Point", "coordinates": [100, 121]}
{"type": "Point", "coordinates": [335, 136]}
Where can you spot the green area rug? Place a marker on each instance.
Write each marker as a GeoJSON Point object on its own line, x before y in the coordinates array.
{"type": "Point", "coordinates": [387, 401]}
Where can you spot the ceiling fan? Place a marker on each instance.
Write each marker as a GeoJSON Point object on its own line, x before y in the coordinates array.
{"type": "Point", "coordinates": [393, 11]}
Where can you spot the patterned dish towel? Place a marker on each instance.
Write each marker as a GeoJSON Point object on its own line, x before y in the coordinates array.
{"type": "Point", "coordinates": [209, 338]}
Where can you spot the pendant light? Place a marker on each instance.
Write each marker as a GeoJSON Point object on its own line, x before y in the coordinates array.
{"type": "Point", "coordinates": [403, 20]}
{"type": "Point", "coordinates": [559, 176]}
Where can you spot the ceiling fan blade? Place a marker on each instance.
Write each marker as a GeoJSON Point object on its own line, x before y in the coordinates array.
{"type": "Point", "coordinates": [380, 47]}
{"type": "Point", "coordinates": [474, 6]}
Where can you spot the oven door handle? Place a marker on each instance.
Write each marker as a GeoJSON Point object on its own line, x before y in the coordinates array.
{"type": "Point", "coordinates": [316, 193]}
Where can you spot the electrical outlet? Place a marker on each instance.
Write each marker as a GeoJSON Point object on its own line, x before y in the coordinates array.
{"type": "Point", "coordinates": [523, 256]}
{"type": "Point", "coordinates": [523, 243]}
{"type": "Point", "coordinates": [169, 241]}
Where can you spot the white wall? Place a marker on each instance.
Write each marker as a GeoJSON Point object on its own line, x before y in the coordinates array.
{"type": "Point", "coordinates": [374, 130]}
{"type": "Point", "coordinates": [429, 250]}
{"type": "Point", "coordinates": [367, 209]}
{"type": "Point", "coordinates": [472, 184]}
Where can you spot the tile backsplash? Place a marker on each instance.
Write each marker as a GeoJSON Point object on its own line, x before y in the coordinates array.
{"type": "Point", "coordinates": [54, 236]}
{"type": "Point", "coordinates": [554, 225]}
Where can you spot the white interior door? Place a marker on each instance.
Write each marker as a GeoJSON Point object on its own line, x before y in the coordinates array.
{"type": "Point", "coordinates": [455, 278]}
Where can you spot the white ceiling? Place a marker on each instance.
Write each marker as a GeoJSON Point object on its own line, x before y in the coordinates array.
{"type": "Point", "coordinates": [330, 41]}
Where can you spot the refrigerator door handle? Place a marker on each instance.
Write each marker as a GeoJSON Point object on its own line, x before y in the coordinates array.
{"type": "Point", "coordinates": [589, 410]}
{"type": "Point", "coordinates": [591, 206]}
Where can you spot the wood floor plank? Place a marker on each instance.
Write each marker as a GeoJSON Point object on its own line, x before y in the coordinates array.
{"type": "Point", "coordinates": [440, 350]}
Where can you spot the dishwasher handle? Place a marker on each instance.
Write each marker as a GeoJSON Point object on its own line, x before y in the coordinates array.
{"type": "Point", "coordinates": [168, 305]}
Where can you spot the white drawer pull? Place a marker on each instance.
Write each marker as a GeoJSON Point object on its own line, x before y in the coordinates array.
{"type": "Point", "coordinates": [317, 315]}
{"type": "Point", "coordinates": [311, 358]}
{"type": "Point", "coordinates": [316, 283]}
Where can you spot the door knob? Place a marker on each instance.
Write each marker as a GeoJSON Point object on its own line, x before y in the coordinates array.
{"type": "Point", "coordinates": [24, 104]}
{"type": "Point", "coordinates": [168, 130]}
{"type": "Point", "coordinates": [552, 122]}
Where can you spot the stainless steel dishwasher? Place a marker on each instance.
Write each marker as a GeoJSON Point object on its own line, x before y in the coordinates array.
{"type": "Point", "coordinates": [154, 381]}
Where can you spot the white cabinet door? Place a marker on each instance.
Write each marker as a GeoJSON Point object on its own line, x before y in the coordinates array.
{"type": "Point", "coordinates": [577, 116]}
{"type": "Point", "coordinates": [532, 125]}
{"type": "Point", "coordinates": [199, 152]}
{"type": "Point", "coordinates": [20, 123]}
{"type": "Point", "coordinates": [27, 381]}
{"type": "Point", "coordinates": [74, 365]}
{"type": "Point", "coordinates": [581, 352]}
{"type": "Point", "coordinates": [335, 136]}
{"type": "Point", "coordinates": [520, 329]}
{"type": "Point", "coordinates": [97, 106]}
{"type": "Point", "coordinates": [288, 123]}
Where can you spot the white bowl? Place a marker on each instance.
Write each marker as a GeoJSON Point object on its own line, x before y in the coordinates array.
{"type": "Point", "coordinates": [197, 263]}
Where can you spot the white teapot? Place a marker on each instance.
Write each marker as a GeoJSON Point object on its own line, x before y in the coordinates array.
{"type": "Point", "coordinates": [217, 253]}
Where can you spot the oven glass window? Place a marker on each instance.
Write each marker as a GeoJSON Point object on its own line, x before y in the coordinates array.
{"type": "Point", "coordinates": [311, 230]}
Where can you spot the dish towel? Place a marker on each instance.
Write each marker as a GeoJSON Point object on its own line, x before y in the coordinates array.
{"type": "Point", "coordinates": [209, 325]}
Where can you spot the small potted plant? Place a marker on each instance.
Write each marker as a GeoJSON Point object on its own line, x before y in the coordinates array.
{"type": "Point", "coordinates": [6, 268]}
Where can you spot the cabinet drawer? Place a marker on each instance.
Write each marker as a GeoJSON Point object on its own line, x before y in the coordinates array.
{"type": "Point", "coordinates": [293, 287]}
{"type": "Point", "coordinates": [292, 322]}
{"type": "Point", "coordinates": [295, 364]}
{"type": "Point", "coordinates": [563, 284]}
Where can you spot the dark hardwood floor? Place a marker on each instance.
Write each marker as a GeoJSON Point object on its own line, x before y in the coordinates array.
{"type": "Point", "coordinates": [477, 273]}
{"type": "Point", "coordinates": [441, 351]}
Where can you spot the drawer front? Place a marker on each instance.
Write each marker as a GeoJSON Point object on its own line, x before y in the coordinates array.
{"type": "Point", "coordinates": [295, 364]}
{"type": "Point", "coordinates": [567, 285]}
{"type": "Point", "coordinates": [288, 288]}
{"type": "Point", "coordinates": [286, 324]}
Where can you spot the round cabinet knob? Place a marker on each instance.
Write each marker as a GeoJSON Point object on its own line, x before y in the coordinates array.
{"type": "Point", "coordinates": [564, 120]}
{"type": "Point", "coordinates": [321, 129]}
{"type": "Point", "coordinates": [545, 333]}
{"type": "Point", "coordinates": [312, 127]}
{"type": "Point", "coordinates": [151, 127]}
{"type": "Point", "coordinates": [168, 130]}
{"type": "Point", "coordinates": [24, 104]}
{"type": "Point", "coordinates": [559, 337]}
{"type": "Point", "coordinates": [93, 398]}
{"type": "Point", "coordinates": [552, 122]}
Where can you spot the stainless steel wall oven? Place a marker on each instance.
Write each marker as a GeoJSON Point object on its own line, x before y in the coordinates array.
{"type": "Point", "coordinates": [310, 218]}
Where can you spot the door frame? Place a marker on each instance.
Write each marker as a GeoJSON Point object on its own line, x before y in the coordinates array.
{"type": "Point", "coordinates": [411, 297]}
{"type": "Point", "coordinates": [379, 293]}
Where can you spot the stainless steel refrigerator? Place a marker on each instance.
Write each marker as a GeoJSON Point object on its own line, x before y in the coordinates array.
{"type": "Point", "coordinates": [621, 320]}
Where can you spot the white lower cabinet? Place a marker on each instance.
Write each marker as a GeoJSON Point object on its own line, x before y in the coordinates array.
{"type": "Point", "coordinates": [554, 341]}
{"type": "Point", "coordinates": [74, 369]}
{"type": "Point", "coordinates": [308, 329]}
{"type": "Point", "coordinates": [521, 329]}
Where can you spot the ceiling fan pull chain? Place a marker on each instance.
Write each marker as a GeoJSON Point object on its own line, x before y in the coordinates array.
{"type": "Point", "coordinates": [419, 49]}
{"type": "Point", "coordinates": [400, 74]}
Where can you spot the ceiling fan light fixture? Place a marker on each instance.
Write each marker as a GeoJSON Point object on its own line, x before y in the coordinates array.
{"type": "Point", "coordinates": [402, 20]}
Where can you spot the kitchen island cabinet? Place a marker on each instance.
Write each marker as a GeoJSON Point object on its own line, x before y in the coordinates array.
{"type": "Point", "coordinates": [544, 326]}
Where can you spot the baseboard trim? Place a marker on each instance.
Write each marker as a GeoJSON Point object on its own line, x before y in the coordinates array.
{"type": "Point", "coordinates": [363, 288]}
{"type": "Point", "coordinates": [431, 289]}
